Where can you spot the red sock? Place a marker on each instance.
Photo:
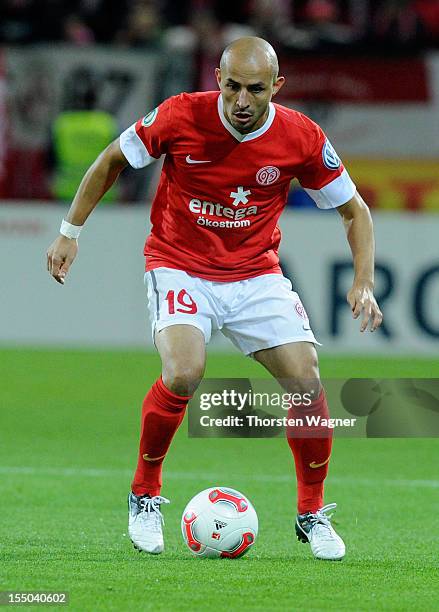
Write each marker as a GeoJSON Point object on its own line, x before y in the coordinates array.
{"type": "Point", "coordinates": [162, 413]}
{"type": "Point", "coordinates": [311, 448]}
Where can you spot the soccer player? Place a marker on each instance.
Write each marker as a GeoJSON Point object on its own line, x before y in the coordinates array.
{"type": "Point", "coordinates": [212, 261]}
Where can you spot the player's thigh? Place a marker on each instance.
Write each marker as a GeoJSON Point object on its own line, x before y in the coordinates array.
{"type": "Point", "coordinates": [182, 319]}
{"type": "Point", "coordinates": [294, 365]}
{"type": "Point", "coordinates": [182, 350]}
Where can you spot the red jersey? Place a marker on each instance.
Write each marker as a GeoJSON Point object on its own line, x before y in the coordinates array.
{"type": "Point", "coordinates": [221, 193]}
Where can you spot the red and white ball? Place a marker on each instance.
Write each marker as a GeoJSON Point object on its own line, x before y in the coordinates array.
{"type": "Point", "coordinates": [219, 522]}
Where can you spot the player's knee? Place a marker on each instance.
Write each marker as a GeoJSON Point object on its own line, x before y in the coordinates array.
{"type": "Point", "coordinates": [306, 387]}
{"type": "Point", "coordinates": [306, 377]}
{"type": "Point", "coordinates": [183, 379]}
{"type": "Point", "coordinates": [308, 380]}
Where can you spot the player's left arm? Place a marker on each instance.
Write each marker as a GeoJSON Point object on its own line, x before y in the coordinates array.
{"type": "Point", "coordinates": [359, 229]}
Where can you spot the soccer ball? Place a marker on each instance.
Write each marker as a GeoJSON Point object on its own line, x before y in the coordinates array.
{"type": "Point", "coordinates": [219, 522]}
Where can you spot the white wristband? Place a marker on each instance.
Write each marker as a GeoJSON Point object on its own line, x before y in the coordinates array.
{"type": "Point", "coordinates": [70, 231]}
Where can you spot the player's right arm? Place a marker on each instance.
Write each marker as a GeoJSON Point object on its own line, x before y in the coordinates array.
{"type": "Point", "coordinates": [96, 182]}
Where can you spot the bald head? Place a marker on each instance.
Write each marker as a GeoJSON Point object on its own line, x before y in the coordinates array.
{"type": "Point", "coordinates": [252, 54]}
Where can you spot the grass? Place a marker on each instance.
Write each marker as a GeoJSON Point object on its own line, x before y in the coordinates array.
{"type": "Point", "coordinates": [69, 431]}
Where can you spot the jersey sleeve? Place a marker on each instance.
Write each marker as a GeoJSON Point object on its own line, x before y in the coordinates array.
{"type": "Point", "coordinates": [323, 176]}
{"type": "Point", "coordinates": [147, 139]}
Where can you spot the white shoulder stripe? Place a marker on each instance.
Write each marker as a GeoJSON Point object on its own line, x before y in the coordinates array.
{"type": "Point", "coordinates": [337, 192]}
{"type": "Point", "coordinates": [134, 149]}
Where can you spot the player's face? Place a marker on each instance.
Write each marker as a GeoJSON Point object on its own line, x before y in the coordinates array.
{"type": "Point", "coordinates": [246, 95]}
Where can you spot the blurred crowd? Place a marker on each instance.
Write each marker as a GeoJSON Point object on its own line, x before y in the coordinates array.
{"type": "Point", "coordinates": [53, 101]}
{"type": "Point", "coordinates": [292, 25]}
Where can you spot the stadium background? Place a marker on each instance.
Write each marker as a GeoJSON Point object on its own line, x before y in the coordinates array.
{"type": "Point", "coordinates": [76, 360]}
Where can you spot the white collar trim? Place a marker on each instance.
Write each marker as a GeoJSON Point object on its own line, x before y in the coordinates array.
{"type": "Point", "coordinates": [252, 135]}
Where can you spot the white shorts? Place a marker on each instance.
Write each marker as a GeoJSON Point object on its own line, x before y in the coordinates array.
{"type": "Point", "coordinates": [257, 313]}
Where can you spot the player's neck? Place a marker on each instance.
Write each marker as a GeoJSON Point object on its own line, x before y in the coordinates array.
{"type": "Point", "coordinates": [261, 126]}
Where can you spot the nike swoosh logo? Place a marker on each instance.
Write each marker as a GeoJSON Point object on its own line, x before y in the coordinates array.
{"type": "Point", "coordinates": [197, 161]}
{"type": "Point", "coordinates": [313, 464]}
{"type": "Point", "coordinates": [147, 458]}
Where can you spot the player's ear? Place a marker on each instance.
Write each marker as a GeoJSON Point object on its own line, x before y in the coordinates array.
{"type": "Point", "coordinates": [278, 84]}
{"type": "Point", "coordinates": [218, 76]}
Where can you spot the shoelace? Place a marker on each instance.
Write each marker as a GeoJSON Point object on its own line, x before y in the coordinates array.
{"type": "Point", "coordinates": [152, 506]}
{"type": "Point", "coordinates": [322, 518]}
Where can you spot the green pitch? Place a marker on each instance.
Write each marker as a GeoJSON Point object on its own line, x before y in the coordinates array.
{"type": "Point", "coordinates": [69, 432]}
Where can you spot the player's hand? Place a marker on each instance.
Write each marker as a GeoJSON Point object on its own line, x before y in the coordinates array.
{"type": "Point", "coordinates": [362, 302]}
{"type": "Point", "coordinates": [60, 256]}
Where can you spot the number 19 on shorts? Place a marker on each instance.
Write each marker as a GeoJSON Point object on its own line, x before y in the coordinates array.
{"type": "Point", "coordinates": [183, 303]}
